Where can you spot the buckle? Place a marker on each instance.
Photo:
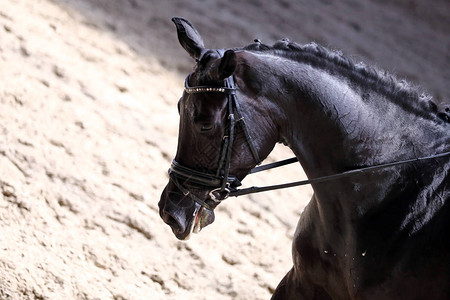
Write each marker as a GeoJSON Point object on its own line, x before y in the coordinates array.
{"type": "Point", "coordinates": [219, 194]}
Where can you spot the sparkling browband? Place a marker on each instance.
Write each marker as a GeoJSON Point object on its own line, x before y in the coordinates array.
{"type": "Point", "coordinates": [207, 89]}
{"type": "Point", "coordinates": [200, 89]}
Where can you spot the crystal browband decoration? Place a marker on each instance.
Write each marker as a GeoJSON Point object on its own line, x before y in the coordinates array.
{"type": "Point", "coordinates": [205, 89]}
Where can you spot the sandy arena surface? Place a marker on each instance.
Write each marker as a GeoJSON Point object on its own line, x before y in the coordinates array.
{"type": "Point", "coordinates": [88, 92]}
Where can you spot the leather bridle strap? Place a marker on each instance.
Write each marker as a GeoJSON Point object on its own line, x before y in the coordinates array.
{"type": "Point", "coordinates": [255, 189]}
{"type": "Point", "coordinates": [273, 165]}
{"type": "Point", "coordinates": [187, 193]}
{"type": "Point", "coordinates": [228, 139]}
{"type": "Point", "coordinates": [228, 90]}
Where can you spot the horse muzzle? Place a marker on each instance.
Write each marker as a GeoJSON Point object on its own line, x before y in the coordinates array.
{"type": "Point", "coordinates": [183, 219]}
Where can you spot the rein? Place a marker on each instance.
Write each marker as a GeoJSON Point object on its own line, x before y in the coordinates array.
{"type": "Point", "coordinates": [223, 184]}
{"type": "Point", "coordinates": [256, 189]}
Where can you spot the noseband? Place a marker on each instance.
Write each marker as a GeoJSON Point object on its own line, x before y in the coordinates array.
{"type": "Point", "coordinates": [222, 183]}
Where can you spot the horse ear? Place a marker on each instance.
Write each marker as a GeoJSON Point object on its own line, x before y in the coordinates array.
{"type": "Point", "coordinates": [227, 65]}
{"type": "Point", "coordinates": [189, 37]}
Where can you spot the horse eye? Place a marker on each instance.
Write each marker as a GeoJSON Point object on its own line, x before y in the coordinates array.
{"type": "Point", "coordinates": [206, 127]}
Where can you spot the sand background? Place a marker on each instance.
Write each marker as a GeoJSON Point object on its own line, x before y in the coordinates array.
{"type": "Point", "coordinates": [88, 127]}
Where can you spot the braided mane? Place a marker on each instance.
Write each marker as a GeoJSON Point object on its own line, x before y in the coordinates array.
{"type": "Point", "coordinates": [403, 93]}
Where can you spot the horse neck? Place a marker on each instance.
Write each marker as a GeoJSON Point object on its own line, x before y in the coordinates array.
{"type": "Point", "coordinates": [332, 125]}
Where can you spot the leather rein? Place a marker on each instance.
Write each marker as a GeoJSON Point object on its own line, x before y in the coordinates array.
{"type": "Point", "coordinates": [222, 184]}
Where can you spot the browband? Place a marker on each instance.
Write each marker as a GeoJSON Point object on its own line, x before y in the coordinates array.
{"type": "Point", "coordinates": [207, 89]}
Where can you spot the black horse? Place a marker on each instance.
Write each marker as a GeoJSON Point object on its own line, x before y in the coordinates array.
{"type": "Point", "coordinates": [382, 234]}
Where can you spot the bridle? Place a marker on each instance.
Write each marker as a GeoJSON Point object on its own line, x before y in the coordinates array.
{"type": "Point", "coordinates": [221, 183]}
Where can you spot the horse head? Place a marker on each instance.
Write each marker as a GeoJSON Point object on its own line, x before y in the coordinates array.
{"type": "Point", "coordinates": [221, 136]}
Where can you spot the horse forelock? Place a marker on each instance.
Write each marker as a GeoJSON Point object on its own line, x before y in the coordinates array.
{"type": "Point", "coordinates": [400, 91]}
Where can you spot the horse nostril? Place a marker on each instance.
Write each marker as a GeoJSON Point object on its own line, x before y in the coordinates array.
{"type": "Point", "coordinates": [172, 222]}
